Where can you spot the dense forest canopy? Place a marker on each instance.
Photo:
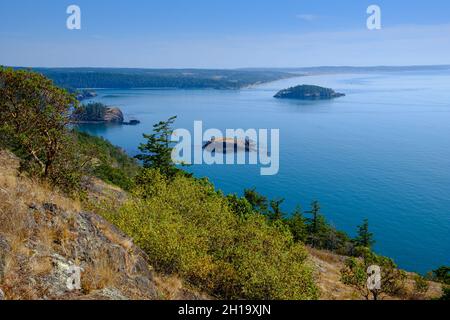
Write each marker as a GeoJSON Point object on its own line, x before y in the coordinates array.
{"type": "Point", "coordinates": [308, 92]}
{"type": "Point", "coordinates": [158, 78]}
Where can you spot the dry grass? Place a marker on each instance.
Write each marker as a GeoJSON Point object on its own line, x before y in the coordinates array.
{"type": "Point", "coordinates": [38, 225]}
{"type": "Point", "coordinates": [41, 265]}
{"type": "Point", "coordinates": [99, 274]}
{"type": "Point", "coordinates": [170, 287]}
{"type": "Point", "coordinates": [22, 264]}
{"type": "Point", "coordinates": [328, 267]}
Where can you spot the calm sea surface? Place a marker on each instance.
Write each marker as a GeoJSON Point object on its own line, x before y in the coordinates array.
{"type": "Point", "coordinates": [382, 152]}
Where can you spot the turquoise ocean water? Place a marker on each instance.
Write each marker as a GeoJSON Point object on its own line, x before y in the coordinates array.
{"type": "Point", "coordinates": [382, 152]}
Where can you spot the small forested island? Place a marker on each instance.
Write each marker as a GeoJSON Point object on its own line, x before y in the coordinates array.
{"type": "Point", "coordinates": [308, 92]}
{"type": "Point", "coordinates": [98, 113]}
{"type": "Point", "coordinates": [223, 145]}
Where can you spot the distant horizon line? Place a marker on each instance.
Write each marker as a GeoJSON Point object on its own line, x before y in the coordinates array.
{"type": "Point", "coordinates": [242, 68]}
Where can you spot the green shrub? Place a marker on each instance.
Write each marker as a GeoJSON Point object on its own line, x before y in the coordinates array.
{"type": "Point", "coordinates": [34, 115]}
{"type": "Point", "coordinates": [107, 162]}
{"type": "Point", "coordinates": [188, 228]}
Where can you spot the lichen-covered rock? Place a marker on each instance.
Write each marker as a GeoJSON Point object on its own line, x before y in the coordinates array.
{"type": "Point", "coordinates": [52, 249]}
{"type": "Point", "coordinates": [62, 243]}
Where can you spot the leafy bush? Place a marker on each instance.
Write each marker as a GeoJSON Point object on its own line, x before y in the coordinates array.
{"type": "Point", "coordinates": [355, 274]}
{"type": "Point", "coordinates": [188, 228]}
{"type": "Point", "coordinates": [34, 115]}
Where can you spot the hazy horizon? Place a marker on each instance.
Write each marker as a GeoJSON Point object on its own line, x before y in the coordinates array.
{"type": "Point", "coordinates": [238, 68]}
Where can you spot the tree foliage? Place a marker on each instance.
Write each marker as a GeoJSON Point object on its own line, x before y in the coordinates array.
{"type": "Point", "coordinates": [34, 115]}
{"type": "Point", "coordinates": [157, 151]}
{"type": "Point", "coordinates": [355, 274]}
{"type": "Point", "coordinates": [364, 238]}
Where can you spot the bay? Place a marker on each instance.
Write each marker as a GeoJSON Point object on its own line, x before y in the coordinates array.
{"type": "Point", "coordinates": [382, 152]}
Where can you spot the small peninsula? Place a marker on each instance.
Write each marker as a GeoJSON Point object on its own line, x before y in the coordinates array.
{"type": "Point", "coordinates": [98, 113]}
{"type": "Point", "coordinates": [308, 92]}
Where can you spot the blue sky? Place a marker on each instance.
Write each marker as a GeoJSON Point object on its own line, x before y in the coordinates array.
{"type": "Point", "coordinates": [223, 33]}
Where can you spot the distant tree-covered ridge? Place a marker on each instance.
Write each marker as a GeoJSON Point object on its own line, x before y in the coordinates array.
{"type": "Point", "coordinates": [308, 92]}
{"type": "Point", "coordinates": [158, 78]}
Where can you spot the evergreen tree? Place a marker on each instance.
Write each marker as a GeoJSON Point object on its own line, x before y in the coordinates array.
{"type": "Point", "coordinates": [258, 202]}
{"type": "Point", "coordinates": [315, 212]}
{"type": "Point", "coordinates": [157, 151]}
{"type": "Point", "coordinates": [297, 225]}
{"type": "Point", "coordinates": [364, 238]}
{"type": "Point", "coordinates": [317, 225]}
{"type": "Point", "coordinates": [276, 214]}
{"type": "Point", "coordinates": [442, 274]}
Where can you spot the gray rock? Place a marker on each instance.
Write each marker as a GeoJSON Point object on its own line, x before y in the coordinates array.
{"type": "Point", "coordinates": [2, 295]}
{"type": "Point", "coordinates": [4, 248]}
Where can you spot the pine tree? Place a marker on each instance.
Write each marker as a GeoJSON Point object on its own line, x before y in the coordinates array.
{"type": "Point", "coordinates": [297, 225]}
{"type": "Point", "coordinates": [315, 212]}
{"type": "Point", "coordinates": [276, 214]}
{"type": "Point", "coordinates": [157, 151]}
{"type": "Point", "coordinates": [317, 225]}
{"type": "Point", "coordinates": [364, 238]}
{"type": "Point", "coordinates": [259, 202]}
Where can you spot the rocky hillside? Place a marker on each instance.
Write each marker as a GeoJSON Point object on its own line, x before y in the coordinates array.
{"type": "Point", "coordinates": [43, 234]}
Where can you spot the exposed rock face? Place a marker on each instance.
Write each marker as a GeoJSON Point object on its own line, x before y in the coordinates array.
{"type": "Point", "coordinates": [307, 92]}
{"type": "Point", "coordinates": [97, 113]}
{"type": "Point", "coordinates": [111, 266]}
{"type": "Point", "coordinates": [45, 237]}
{"type": "Point", "coordinates": [113, 115]}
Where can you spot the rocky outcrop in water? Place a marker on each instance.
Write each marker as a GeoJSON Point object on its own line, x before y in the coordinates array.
{"type": "Point", "coordinates": [224, 145]}
{"type": "Point", "coordinates": [98, 113]}
{"type": "Point", "coordinates": [113, 115]}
